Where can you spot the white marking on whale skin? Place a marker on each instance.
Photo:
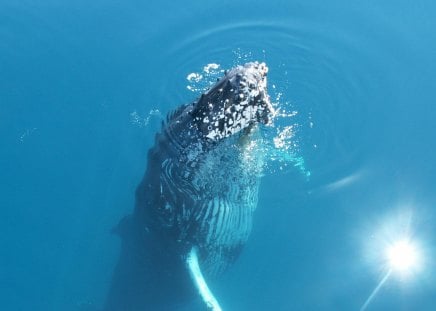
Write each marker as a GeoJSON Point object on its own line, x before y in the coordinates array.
{"type": "Point", "coordinates": [200, 282]}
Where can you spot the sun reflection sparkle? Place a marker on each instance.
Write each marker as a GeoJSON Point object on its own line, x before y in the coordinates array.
{"type": "Point", "coordinates": [402, 256]}
{"type": "Point", "coordinates": [399, 254]}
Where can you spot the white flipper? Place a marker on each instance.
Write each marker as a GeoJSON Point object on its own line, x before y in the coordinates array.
{"type": "Point", "coordinates": [200, 282]}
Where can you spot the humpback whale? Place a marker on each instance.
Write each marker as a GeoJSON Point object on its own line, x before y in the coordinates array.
{"type": "Point", "coordinates": [194, 206]}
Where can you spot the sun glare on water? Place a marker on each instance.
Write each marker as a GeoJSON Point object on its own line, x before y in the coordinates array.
{"type": "Point", "coordinates": [402, 256]}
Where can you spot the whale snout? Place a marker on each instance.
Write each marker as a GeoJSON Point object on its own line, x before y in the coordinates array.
{"type": "Point", "coordinates": [250, 83]}
{"type": "Point", "coordinates": [237, 101]}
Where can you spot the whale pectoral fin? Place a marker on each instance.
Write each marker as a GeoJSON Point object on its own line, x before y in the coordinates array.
{"type": "Point", "coordinates": [200, 282]}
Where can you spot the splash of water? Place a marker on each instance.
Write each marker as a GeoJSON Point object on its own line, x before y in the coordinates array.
{"type": "Point", "coordinates": [280, 145]}
{"type": "Point", "coordinates": [200, 82]}
{"type": "Point", "coordinates": [27, 133]}
{"type": "Point", "coordinates": [141, 121]}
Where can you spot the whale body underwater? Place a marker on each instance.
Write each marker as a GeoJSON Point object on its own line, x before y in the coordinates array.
{"type": "Point", "coordinates": [194, 206]}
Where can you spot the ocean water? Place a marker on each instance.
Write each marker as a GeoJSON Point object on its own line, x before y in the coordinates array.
{"type": "Point", "coordinates": [85, 85]}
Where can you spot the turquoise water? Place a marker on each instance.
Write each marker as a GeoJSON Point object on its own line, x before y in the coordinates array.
{"type": "Point", "coordinates": [84, 87]}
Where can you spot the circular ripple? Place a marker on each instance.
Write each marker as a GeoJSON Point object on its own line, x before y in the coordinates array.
{"type": "Point", "coordinates": [325, 77]}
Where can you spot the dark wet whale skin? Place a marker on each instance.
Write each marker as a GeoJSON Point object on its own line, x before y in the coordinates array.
{"type": "Point", "coordinates": [201, 183]}
{"type": "Point", "coordinates": [197, 190]}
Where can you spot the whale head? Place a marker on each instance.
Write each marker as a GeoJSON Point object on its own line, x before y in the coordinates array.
{"type": "Point", "coordinates": [238, 101]}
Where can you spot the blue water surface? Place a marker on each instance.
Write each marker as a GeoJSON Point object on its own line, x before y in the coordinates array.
{"type": "Point", "coordinates": [84, 86]}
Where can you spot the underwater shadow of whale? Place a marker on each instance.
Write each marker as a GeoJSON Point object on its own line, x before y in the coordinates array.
{"type": "Point", "coordinates": [195, 203]}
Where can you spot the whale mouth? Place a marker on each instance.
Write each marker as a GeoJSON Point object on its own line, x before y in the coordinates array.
{"type": "Point", "coordinates": [239, 100]}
